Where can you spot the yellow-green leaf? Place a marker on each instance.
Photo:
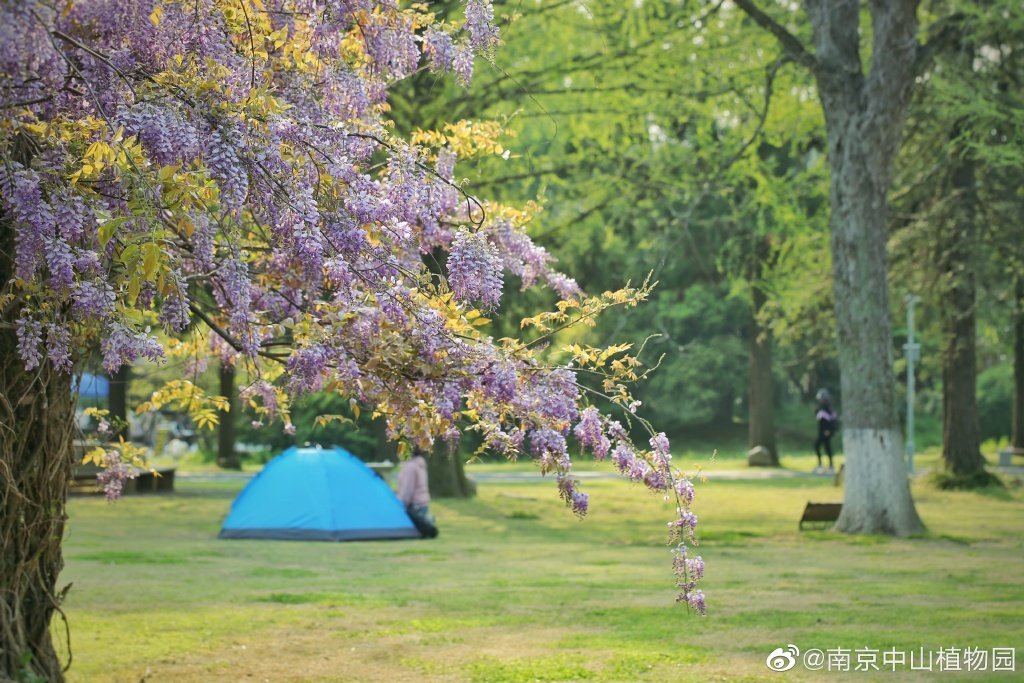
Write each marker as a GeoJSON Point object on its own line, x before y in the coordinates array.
{"type": "Point", "coordinates": [150, 258]}
{"type": "Point", "coordinates": [96, 456]}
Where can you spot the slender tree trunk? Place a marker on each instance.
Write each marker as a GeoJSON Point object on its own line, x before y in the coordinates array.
{"type": "Point", "coordinates": [961, 432]}
{"type": "Point", "coordinates": [761, 393]}
{"type": "Point", "coordinates": [1017, 438]}
{"type": "Point", "coordinates": [864, 117]}
{"type": "Point", "coordinates": [117, 399]}
{"type": "Point", "coordinates": [227, 457]}
{"type": "Point", "coordinates": [36, 430]}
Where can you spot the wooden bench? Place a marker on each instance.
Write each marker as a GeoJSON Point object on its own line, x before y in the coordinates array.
{"type": "Point", "coordinates": [145, 481]}
{"type": "Point", "coordinates": [157, 480]}
{"type": "Point", "coordinates": [820, 512]}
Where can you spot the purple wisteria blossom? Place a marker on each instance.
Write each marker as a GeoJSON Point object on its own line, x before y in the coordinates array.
{"type": "Point", "coordinates": [590, 433]}
{"type": "Point", "coordinates": [548, 447]}
{"type": "Point", "coordinates": [483, 34]}
{"type": "Point", "coordinates": [120, 346]}
{"type": "Point", "coordinates": [114, 476]}
{"type": "Point", "coordinates": [93, 299]}
{"type": "Point", "coordinates": [30, 336]}
{"type": "Point", "coordinates": [684, 489]}
{"type": "Point", "coordinates": [439, 48]}
{"type": "Point", "coordinates": [462, 64]}
{"type": "Point", "coordinates": [573, 497]}
{"type": "Point", "coordinates": [474, 269]}
{"type": "Point", "coordinates": [175, 314]}
{"type": "Point", "coordinates": [223, 157]}
{"type": "Point", "coordinates": [499, 382]}
{"type": "Point", "coordinates": [23, 197]}
{"type": "Point", "coordinates": [264, 391]}
{"type": "Point", "coordinates": [58, 346]}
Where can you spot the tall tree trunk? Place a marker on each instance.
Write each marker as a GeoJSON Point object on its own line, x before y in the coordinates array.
{"type": "Point", "coordinates": [761, 391]}
{"type": "Point", "coordinates": [227, 456]}
{"type": "Point", "coordinates": [863, 120]}
{"type": "Point", "coordinates": [117, 399]}
{"type": "Point", "coordinates": [864, 117]}
{"type": "Point", "coordinates": [1017, 432]}
{"type": "Point", "coordinates": [961, 432]}
{"type": "Point", "coordinates": [36, 430]}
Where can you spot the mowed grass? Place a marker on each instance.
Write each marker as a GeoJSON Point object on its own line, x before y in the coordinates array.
{"type": "Point", "coordinates": [516, 589]}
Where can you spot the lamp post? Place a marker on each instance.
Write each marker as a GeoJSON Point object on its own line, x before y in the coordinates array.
{"type": "Point", "coordinates": [912, 353]}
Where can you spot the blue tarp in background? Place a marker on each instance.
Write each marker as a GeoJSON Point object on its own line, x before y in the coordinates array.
{"type": "Point", "coordinates": [93, 386]}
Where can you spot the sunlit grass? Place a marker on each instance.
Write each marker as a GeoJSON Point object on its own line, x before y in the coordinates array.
{"type": "Point", "coordinates": [517, 589]}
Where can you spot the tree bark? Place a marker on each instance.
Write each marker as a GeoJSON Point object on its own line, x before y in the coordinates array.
{"type": "Point", "coordinates": [117, 400]}
{"type": "Point", "coordinates": [961, 431]}
{"type": "Point", "coordinates": [36, 431]}
{"type": "Point", "coordinates": [1017, 431]}
{"type": "Point", "coordinates": [446, 475]}
{"type": "Point", "coordinates": [863, 118]}
{"type": "Point", "coordinates": [227, 456]}
{"type": "Point", "coordinates": [761, 391]}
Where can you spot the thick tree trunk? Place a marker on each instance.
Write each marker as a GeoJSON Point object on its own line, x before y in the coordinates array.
{"type": "Point", "coordinates": [36, 430]}
{"type": "Point", "coordinates": [761, 394]}
{"type": "Point", "coordinates": [863, 118]}
{"type": "Point", "coordinates": [1017, 431]}
{"type": "Point", "coordinates": [877, 495]}
{"type": "Point", "coordinates": [446, 475]}
{"type": "Point", "coordinates": [227, 457]}
{"type": "Point", "coordinates": [961, 432]}
{"type": "Point", "coordinates": [117, 400]}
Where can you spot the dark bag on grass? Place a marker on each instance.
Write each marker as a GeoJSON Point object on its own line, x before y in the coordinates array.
{"type": "Point", "coordinates": [423, 521]}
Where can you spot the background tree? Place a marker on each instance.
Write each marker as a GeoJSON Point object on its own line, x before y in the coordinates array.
{"type": "Point", "coordinates": [953, 173]}
{"type": "Point", "coordinates": [864, 114]}
{"type": "Point", "coordinates": [227, 455]}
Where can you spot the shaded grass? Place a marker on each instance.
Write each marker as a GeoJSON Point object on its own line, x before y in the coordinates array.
{"type": "Point", "coordinates": [517, 589]}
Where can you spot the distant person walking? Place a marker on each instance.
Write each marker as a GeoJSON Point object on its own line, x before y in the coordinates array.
{"type": "Point", "coordinates": [414, 493]}
{"type": "Point", "coordinates": [828, 422]}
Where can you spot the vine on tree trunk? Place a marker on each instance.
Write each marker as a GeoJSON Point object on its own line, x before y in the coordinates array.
{"type": "Point", "coordinates": [36, 429]}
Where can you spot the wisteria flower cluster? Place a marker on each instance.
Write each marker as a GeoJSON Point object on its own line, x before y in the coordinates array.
{"type": "Point", "coordinates": [223, 170]}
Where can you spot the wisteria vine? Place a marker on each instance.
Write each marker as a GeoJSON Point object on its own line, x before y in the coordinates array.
{"type": "Point", "coordinates": [219, 178]}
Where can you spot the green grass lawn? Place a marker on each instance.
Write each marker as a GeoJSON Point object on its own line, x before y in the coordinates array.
{"type": "Point", "coordinates": [516, 589]}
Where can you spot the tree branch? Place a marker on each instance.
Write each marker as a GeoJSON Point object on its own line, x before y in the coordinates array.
{"type": "Point", "coordinates": [945, 35]}
{"type": "Point", "coordinates": [226, 336]}
{"type": "Point", "coordinates": [790, 43]}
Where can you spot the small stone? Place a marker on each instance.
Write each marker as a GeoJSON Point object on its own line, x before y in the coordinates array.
{"type": "Point", "coordinates": [759, 456]}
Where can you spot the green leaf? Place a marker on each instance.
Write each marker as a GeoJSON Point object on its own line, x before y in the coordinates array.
{"type": "Point", "coordinates": [108, 229]}
{"type": "Point", "coordinates": [130, 253]}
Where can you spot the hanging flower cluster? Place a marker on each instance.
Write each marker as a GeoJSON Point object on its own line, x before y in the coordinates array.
{"type": "Point", "coordinates": [174, 167]}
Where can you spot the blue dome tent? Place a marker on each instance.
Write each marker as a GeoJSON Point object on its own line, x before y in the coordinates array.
{"type": "Point", "coordinates": [317, 494]}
